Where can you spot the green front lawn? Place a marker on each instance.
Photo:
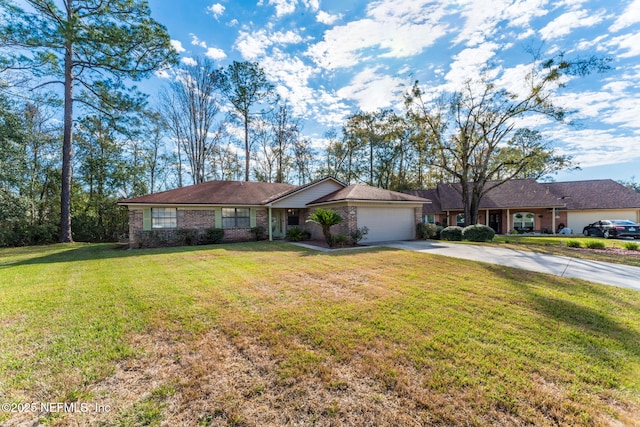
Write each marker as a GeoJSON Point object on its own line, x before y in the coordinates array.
{"type": "Point", "coordinates": [273, 334]}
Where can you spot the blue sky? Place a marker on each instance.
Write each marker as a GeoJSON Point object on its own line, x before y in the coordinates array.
{"type": "Point", "coordinates": [331, 58]}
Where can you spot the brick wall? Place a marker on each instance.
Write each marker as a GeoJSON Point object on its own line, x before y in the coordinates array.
{"type": "Point", "coordinates": [349, 215]}
{"type": "Point", "coordinates": [135, 225]}
{"type": "Point", "coordinates": [198, 219]}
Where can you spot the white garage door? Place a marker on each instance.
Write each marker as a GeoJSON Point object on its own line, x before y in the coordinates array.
{"type": "Point", "coordinates": [387, 223]}
{"type": "Point", "coordinates": [578, 220]}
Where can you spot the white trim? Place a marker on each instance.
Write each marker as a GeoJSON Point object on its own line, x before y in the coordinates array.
{"type": "Point", "coordinates": [303, 188]}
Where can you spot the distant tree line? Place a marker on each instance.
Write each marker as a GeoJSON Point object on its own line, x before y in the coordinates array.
{"type": "Point", "coordinates": [62, 169]}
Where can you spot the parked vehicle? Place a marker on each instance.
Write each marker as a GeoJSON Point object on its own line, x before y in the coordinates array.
{"type": "Point", "coordinates": [613, 228]}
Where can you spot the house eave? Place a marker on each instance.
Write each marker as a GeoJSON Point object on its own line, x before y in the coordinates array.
{"type": "Point", "coordinates": [189, 205]}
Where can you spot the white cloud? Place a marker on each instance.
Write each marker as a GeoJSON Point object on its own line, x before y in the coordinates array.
{"type": "Point", "coordinates": [470, 63]}
{"type": "Point", "coordinates": [630, 43]}
{"type": "Point", "coordinates": [565, 23]}
{"type": "Point", "coordinates": [253, 45]}
{"type": "Point", "coordinates": [327, 19]}
{"type": "Point", "coordinates": [216, 10]}
{"type": "Point", "coordinates": [283, 7]}
{"type": "Point", "coordinates": [397, 28]}
{"type": "Point", "coordinates": [215, 53]}
{"type": "Point", "coordinates": [189, 61]}
{"type": "Point", "coordinates": [177, 45]}
{"type": "Point", "coordinates": [627, 18]}
{"type": "Point", "coordinates": [292, 78]}
{"type": "Point", "coordinates": [483, 19]}
{"type": "Point", "coordinates": [163, 74]}
{"type": "Point", "coordinates": [372, 90]}
{"type": "Point", "coordinates": [197, 42]}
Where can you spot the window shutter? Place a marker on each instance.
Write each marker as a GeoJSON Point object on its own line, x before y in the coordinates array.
{"type": "Point", "coordinates": [218, 217]}
{"type": "Point", "coordinates": [252, 217]}
{"type": "Point", "coordinates": [146, 219]}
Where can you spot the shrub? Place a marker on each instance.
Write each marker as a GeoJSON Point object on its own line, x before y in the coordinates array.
{"type": "Point", "coordinates": [213, 235]}
{"type": "Point", "coordinates": [451, 233]}
{"type": "Point", "coordinates": [338, 240]}
{"type": "Point", "coordinates": [573, 243]}
{"type": "Point", "coordinates": [156, 238]}
{"type": "Point", "coordinates": [297, 234]}
{"type": "Point", "coordinates": [186, 237]}
{"type": "Point", "coordinates": [594, 244]}
{"type": "Point", "coordinates": [359, 234]}
{"type": "Point", "coordinates": [478, 233]}
{"type": "Point", "coordinates": [259, 232]}
{"type": "Point", "coordinates": [21, 233]}
{"type": "Point", "coordinates": [426, 231]}
{"type": "Point", "coordinates": [631, 246]}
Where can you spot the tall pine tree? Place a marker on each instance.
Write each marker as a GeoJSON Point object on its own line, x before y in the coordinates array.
{"type": "Point", "coordinates": [92, 48]}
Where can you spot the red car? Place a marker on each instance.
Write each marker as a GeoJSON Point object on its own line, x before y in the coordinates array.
{"type": "Point", "coordinates": [613, 228]}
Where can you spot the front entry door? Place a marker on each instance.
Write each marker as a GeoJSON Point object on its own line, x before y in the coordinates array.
{"type": "Point", "coordinates": [277, 223]}
{"type": "Point", "coordinates": [494, 222]}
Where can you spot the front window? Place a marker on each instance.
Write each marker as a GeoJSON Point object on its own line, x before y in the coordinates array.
{"type": "Point", "coordinates": [164, 217]}
{"type": "Point", "coordinates": [293, 217]}
{"type": "Point", "coordinates": [523, 221]}
{"type": "Point", "coordinates": [460, 220]}
{"type": "Point", "coordinates": [429, 219]}
{"type": "Point", "coordinates": [235, 218]}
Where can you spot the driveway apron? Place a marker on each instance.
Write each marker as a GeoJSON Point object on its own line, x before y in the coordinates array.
{"type": "Point", "coordinates": [594, 271]}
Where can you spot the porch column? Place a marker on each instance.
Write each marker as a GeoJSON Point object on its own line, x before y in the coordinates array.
{"type": "Point", "coordinates": [553, 219]}
{"type": "Point", "coordinates": [486, 218]}
{"type": "Point", "coordinates": [508, 221]}
{"type": "Point", "coordinates": [269, 226]}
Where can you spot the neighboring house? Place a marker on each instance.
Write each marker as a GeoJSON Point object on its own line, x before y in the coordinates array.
{"type": "Point", "coordinates": [237, 207]}
{"type": "Point", "coordinates": [529, 206]}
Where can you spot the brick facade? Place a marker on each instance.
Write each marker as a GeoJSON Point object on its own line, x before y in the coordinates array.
{"type": "Point", "coordinates": [194, 219]}
{"type": "Point", "coordinates": [135, 226]}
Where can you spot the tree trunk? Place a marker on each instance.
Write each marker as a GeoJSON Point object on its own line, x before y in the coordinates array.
{"type": "Point", "coordinates": [65, 198]}
{"type": "Point", "coordinates": [246, 147]}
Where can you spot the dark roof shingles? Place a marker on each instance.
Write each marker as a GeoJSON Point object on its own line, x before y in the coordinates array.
{"type": "Point", "coordinates": [217, 193]}
{"type": "Point", "coordinates": [361, 192]}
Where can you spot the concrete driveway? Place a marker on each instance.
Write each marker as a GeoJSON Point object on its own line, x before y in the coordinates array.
{"type": "Point", "coordinates": [594, 271]}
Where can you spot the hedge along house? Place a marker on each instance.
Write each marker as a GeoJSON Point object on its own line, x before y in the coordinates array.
{"type": "Point", "coordinates": [525, 205]}
{"type": "Point", "coordinates": [238, 207]}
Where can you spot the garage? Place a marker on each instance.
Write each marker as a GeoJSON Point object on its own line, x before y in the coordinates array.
{"type": "Point", "coordinates": [387, 223]}
{"type": "Point", "coordinates": [577, 220]}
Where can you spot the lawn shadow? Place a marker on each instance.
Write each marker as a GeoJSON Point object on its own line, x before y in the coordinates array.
{"type": "Point", "coordinates": [584, 322]}
{"type": "Point", "coordinates": [75, 252]}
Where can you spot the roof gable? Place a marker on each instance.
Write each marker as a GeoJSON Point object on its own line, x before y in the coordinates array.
{"type": "Point", "coordinates": [299, 197]}
{"type": "Point", "coordinates": [366, 193]}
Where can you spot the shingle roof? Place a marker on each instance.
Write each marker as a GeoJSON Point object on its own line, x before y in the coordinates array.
{"type": "Point", "coordinates": [595, 194]}
{"type": "Point", "coordinates": [361, 192]}
{"type": "Point", "coordinates": [527, 193]}
{"type": "Point", "coordinates": [217, 193]}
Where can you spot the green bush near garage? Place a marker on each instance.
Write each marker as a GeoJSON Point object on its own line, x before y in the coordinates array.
{"type": "Point", "coordinates": [452, 233]}
{"type": "Point", "coordinates": [478, 233]}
